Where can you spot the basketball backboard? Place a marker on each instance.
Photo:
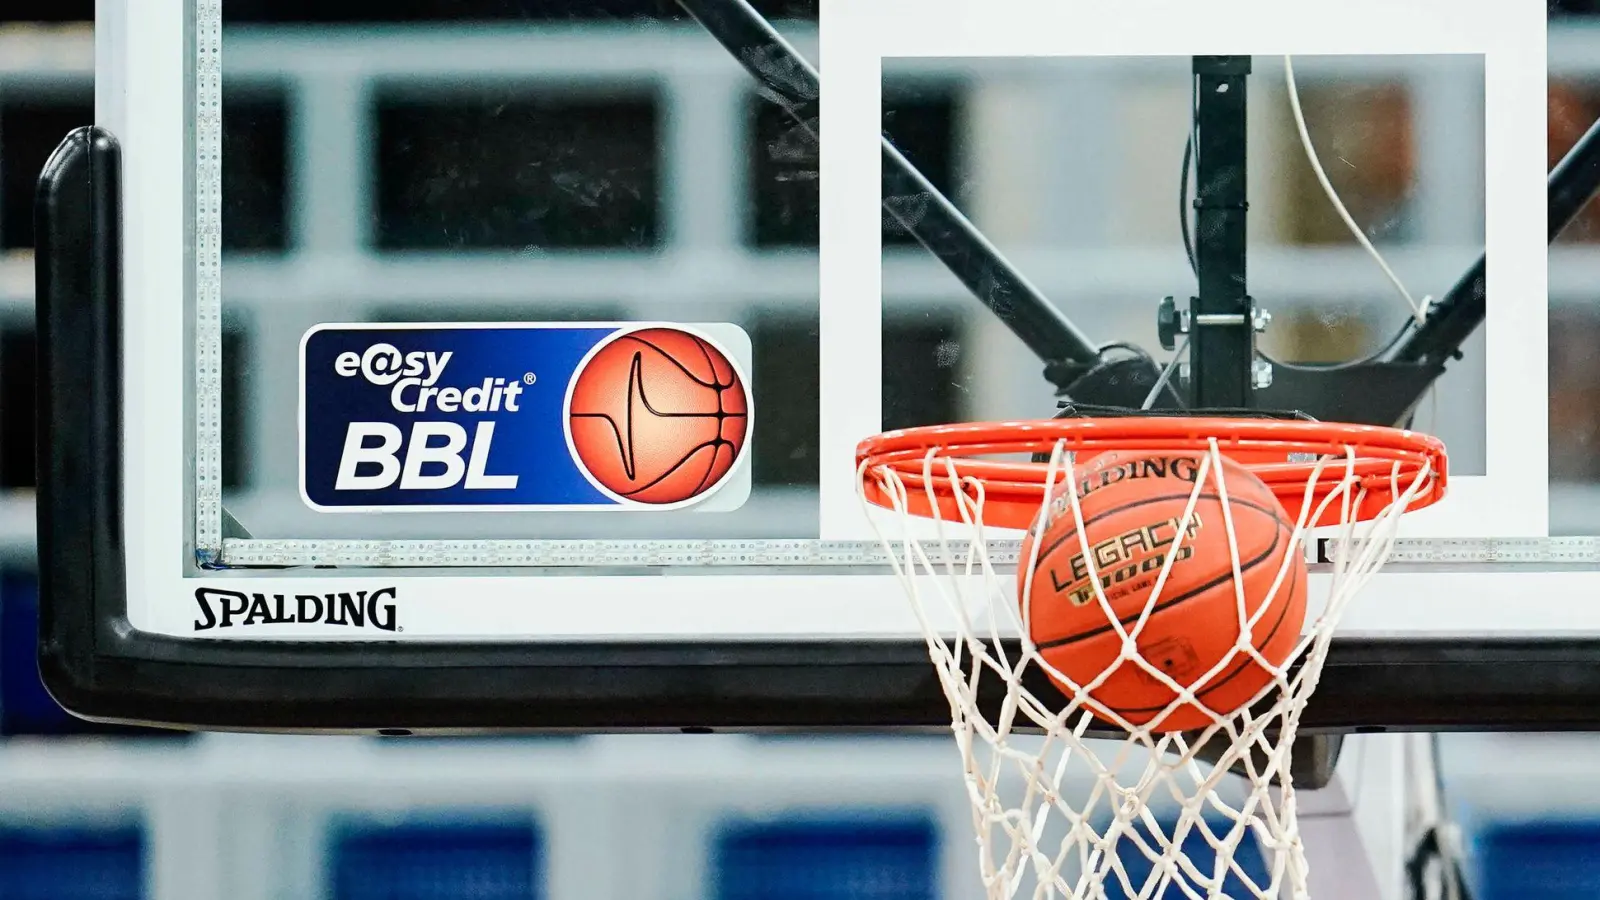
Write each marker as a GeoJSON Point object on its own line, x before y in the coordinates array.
{"type": "Point", "coordinates": [538, 405]}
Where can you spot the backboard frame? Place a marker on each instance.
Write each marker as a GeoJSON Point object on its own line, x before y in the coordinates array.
{"type": "Point", "coordinates": [111, 257]}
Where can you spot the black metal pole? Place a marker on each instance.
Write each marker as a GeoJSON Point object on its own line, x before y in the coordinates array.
{"type": "Point", "coordinates": [1451, 320]}
{"type": "Point", "coordinates": [1572, 184]}
{"type": "Point", "coordinates": [1221, 331]}
{"type": "Point", "coordinates": [950, 236]}
{"type": "Point", "coordinates": [1574, 180]}
{"type": "Point", "coordinates": [927, 214]}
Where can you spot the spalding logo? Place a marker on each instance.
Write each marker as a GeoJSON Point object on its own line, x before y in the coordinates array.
{"type": "Point", "coordinates": [354, 609]}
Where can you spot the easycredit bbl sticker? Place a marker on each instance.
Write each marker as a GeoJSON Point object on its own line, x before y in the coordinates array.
{"type": "Point", "coordinates": [505, 417]}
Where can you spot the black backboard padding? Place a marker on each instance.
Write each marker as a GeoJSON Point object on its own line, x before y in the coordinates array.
{"type": "Point", "coordinates": [78, 296]}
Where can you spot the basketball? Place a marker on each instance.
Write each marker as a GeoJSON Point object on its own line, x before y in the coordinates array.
{"type": "Point", "coordinates": [658, 416]}
{"type": "Point", "coordinates": [1132, 506]}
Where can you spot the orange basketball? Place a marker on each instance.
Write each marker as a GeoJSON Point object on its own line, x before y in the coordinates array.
{"type": "Point", "coordinates": [658, 416]}
{"type": "Point", "coordinates": [1132, 507]}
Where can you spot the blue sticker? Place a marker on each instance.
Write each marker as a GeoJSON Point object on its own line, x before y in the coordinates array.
{"type": "Point", "coordinates": [545, 416]}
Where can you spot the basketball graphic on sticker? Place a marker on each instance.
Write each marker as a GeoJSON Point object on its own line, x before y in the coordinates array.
{"type": "Point", "coordinates": [659, 416]}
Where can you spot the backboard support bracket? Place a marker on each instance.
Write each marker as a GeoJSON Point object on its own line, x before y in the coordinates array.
{"type": "Point", "coordinates": [1222, 335]}
{"type": "Point", "coordinates": [1067, 353]}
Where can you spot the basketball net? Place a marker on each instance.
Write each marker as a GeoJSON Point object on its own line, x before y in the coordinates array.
{"type": "Point", "coordinates": [1063, 811]}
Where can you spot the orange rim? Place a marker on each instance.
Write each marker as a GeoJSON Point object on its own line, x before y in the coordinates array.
{"type": "Point", "coordinates": [1384, 459]}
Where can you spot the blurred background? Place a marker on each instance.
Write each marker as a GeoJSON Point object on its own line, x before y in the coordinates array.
{"type": "Point", "coordinates": [367, 176]}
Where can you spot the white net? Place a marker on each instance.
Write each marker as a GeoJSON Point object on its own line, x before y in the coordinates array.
{"type": "Point", "coordinates": [1062, 810]}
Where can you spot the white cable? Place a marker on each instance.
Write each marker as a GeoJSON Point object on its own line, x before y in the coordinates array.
{"type": "Point", "coordinates": [1166, 375]}
{"type": "Point", "coordinates": [1419, 310]}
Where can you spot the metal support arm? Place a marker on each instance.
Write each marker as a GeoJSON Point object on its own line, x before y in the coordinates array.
{"type": "Point", "coordinates": [1222, 339]}
{"type": "Point", "coordinates": [1572, 184]}
{"type": "Point", "coordinates": [926, 213]}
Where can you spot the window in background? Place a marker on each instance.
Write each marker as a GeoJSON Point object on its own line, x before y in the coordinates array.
{"type": "Point", "coordinates": [1575, 392]}
{"type": "Point", "coordinates": [48, 11]}
{"type": "Point", "coordinates": [1364, 136]}
{"type": "Point", "coordinates": [786, 357]}
{"type": "Point", "coordinates": [1565, 8]}
{"type": "Point", "coordinates": [446, 311]}
{"type": "Point", "coordinates": [782, 192]}
{"type": "Point", "coordinates": [31, 126]}
{"type": "Point", "coordinates": [1574, 325]}
{"type": "Point", "coordinates": [1329, 333]}
{"type": "Point", "coordinates": [255, 192]}
{"type": "Point", "coordinates": [17, 386]}
{"type": "Point", "coordinates": [514, 168]}
{"type": "Point", "coordinates": [923, 121]}
{"type": "Point", "coordinates": [274, 11]}
{"type": "Point", "coordinates": [1573, 109]}
{"type": "Point", "coordinates": [922, 373]}
{"type": "Point", "coordinates": [238, 457]}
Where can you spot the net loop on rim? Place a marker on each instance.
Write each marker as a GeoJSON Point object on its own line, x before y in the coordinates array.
{"type": "Point", "coordinates": [1070, 798]}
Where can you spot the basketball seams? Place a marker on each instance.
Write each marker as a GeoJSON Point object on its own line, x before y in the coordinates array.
{"type": "Point", "coordinates": [711, 464]}
{"type": "Point", "coordinates": [711, 467]}
{"type": "Point", "coordinates": [1244, 664]}
{"type": "Point", "coordinates": [1207, 633]}
{"type": "Point", "coordinates": [636, 387]}
{"type": "Point", "coordinates": [630, 440]}
{"type": "Point", "coordinates": [715, 443]}
{"type": "Point", "coordinates": [667, 355]}
{"type": "Point", "coordinates": [616, 435]}
{"type": "Point", "coordinates": [1245, 566]}
{"type": "Point", "coordinates": [711, 365]}
{"type": "Point", "coordinates": [677, 466]}
{"type": "Point", "coordinates": [625, 448]}
{"type": "Point", "coordinates": [637, 365]}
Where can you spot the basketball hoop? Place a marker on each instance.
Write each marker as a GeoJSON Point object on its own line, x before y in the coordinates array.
{"type": "Point", "coordinates": [1056, 804]}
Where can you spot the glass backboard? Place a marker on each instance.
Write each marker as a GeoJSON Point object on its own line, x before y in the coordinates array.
{"type": "Point", "coordinates": [511, 375]}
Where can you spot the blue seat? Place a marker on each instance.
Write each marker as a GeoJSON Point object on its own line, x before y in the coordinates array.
{"type": "Point", "coordinates": [82, 863]}
{"type": "Point", "coordinates": [437, 861]}
{"type": "Point", "coordinates": [846, 858]}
